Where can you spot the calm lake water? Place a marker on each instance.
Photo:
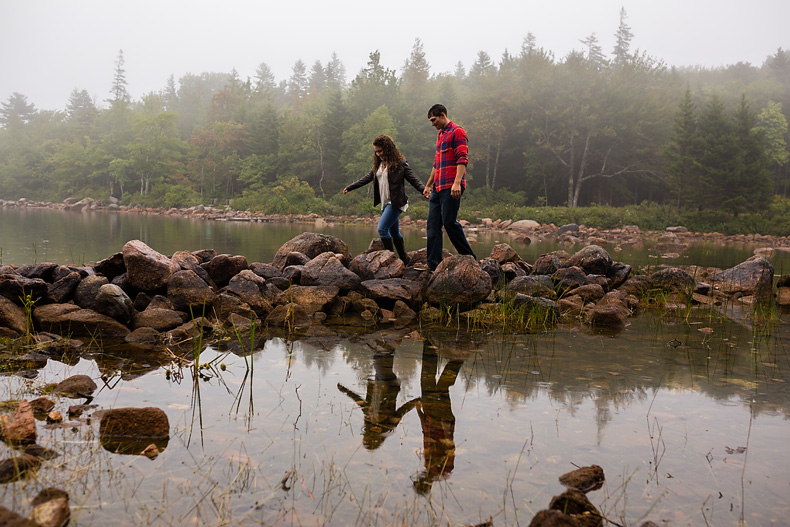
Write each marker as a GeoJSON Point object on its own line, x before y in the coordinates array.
{"type": "Point", "coordinates": [43, 235]}
{"type": "Point", "coordinates": [419, 426]}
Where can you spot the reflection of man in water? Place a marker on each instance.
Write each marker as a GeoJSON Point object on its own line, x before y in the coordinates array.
{"type": "Point", "coordinates": [436, 416]}
{"type": "Point", "coordinates": [380, 404]}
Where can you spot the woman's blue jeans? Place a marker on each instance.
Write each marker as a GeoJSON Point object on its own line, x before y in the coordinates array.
{"type": "Point", "coordinates": [388, 223]}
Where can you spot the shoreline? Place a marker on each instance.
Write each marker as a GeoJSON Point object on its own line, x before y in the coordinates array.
{"type": "Point", "coordinates": [523, 231]}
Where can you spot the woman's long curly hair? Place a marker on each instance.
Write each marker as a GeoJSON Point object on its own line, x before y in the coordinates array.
{"type": "Point", "coordinates": [391, 155]}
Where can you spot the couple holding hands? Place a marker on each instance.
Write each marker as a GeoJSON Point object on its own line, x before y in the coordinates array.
{"type": "Point", "coordinates": [445, 186]}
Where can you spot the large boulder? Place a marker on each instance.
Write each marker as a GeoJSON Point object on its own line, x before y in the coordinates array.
{"type": "Point", "coordinates": [504, 253]}
{"type": "Point", "coordinates": [289, 316]}
{"type": "Point", "coordinates": [12, 317]}
{"type": "Point", "coordinates": [69, 319]}
{"type": "Point", "coordinates": [110, 267]}
{"type": "Point", "coordinates": [311, 244]}
{"type": "Point", "coordinates": [672, 279]}
{"type": "Point", "coordinates": [458, 280]}
{"type": "Point", "coordinates": [391, 290]}
{"type": "Point", "coordinates": [567, 278]}
{"type": "Point", "coordinates": [310, 298]}
{"type": "Point", "coordinates": [223, 267]}
{"type": "Point", "coordinates": [147, 269]}
{"type": "Point", "coordinates": [377, 265]}
{"type": "Point", "coordinates": [87, 290]}
{"type": "Point", "coordinates": [15, 287]}
{"type": "Point", "coordinates": [532, 285]}
{"type": "Point", "coordinates": [593, 259]}
{"type": "Point", "coordinates": [546, 264]}
{"type": "Point", "coordinates": [158, 319]}
{"type": "Point", "coordinates": [21, 428]}
{"type": "Point", "coordinates": [112, 301]}
{"type": "Point", "coordinates": [753, 277]}
{"type": "Point", "coordinates": [62, 289]}
{"type": "Point", "coordinates": [253, 290]}
{"type": "Point", "coordinates": [186, 289]}
{"type": "Point", "coordinates": [76, 386]}
{"type": "Point", "coordinates": [328, 270]}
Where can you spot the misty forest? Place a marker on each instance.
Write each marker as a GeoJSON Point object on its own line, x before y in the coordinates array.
{"type": "Point", "coordinates": [610, 127]}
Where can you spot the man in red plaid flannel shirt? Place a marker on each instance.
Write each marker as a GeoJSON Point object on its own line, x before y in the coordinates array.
{"type": "Point", "coordinates": [445, 186]}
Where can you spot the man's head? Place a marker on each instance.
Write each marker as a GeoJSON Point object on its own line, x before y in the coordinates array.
{"type": "Point", "coordinates": [438, 116]}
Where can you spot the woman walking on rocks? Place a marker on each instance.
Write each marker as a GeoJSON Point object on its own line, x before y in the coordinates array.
{"type": "Point", "coordinates": [390, 170]}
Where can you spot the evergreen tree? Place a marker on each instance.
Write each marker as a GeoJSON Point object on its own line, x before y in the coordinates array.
{"type": "Point", "coordinates": [716, 157]}
{"type": "Point", "coordinates": [483, 66]}
{"type": "Point", "coordinates": [317, 82]}
{"type": "Point", "coordinates": [16, 111]}
{"type": "Point", "coordinates": [682, 150]}
{"type": "Point", "coordinates": [623, 38]}
{"type": "Point", "coordinates": [297, 83]}
{"type": "Point", "coordinates": [594, 53]}
{"type": "Point", "coordinates": [416, 69]}
{"type": "Point", "coordinates": [748, 186]}
{"type": "Point", "coordinates": [118, 90]}
{"type": "Point", "coordinates": [772, 124]}
{"type": "Point", "coordinates": [335, 73]}
{"type": "Point", "coordinates": [264, 79]}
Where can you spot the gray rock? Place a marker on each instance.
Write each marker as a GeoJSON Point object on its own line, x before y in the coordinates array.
{"type": "Point", "coordinates": [186, 290]}
{"type": "Point", "coordinates": [223, 267]}
{"type": "Point", "coordinates": [289, 316]}
{"type": "Point", "coordinates": [147, 269]}
{"type": "Point", "coordinates": [12, 317]}
{"type": "Point", "coordinates": [540, 285]}
{"type": "Point", "coordinates": [753, 277]}
{"type": "Point", "coordinates": [112, 301]}
{"type": "Point", "coordinates": [312, 244]}
{"type": "Point", "coordinates": [327, 269]}
{"type": "Point", "coordinates": [76, 386]}
{"type": "Point", "coordinates": [309, 298]}
{"type": "Point", "coordinates": [51, 508]}
{"type": "Point", "coordinates": [593, 259]}
{"type": "Point", "coordinates": [392, 290]}
{"type": "Point", "coordinates": [69, 319]}
{"type": "Point", "coordinates": [546, 264]}
{"type": "Point", "coordinates": [377, 265]}
{"type": "Point", "coordinates": [156, 318]}
{"type": "Point", "coordinates": [87, 290]}
{"type": "Point", "coordinates": [458, 280]}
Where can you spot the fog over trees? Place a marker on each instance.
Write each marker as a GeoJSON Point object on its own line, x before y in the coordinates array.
{"type": "Point", "coordinates": [600, 126]}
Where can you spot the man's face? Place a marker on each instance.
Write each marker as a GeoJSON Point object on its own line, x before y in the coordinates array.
{"type": "Point", "coordinates": [439, 121]}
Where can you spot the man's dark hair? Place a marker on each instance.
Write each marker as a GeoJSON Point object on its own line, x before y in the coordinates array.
{"type": "Point", "coordinates": [437, 110]}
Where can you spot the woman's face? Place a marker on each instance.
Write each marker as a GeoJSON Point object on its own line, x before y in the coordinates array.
{"type": "Point", "coordinates": [378, 151]}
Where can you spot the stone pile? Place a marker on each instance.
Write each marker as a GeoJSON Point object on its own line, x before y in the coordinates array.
{"type": "Point", "coordinates": [144, 297]}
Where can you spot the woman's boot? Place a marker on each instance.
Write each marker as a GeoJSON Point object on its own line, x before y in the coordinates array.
{"type": "Point", "coordinates": [401, 248]}
{"type": "Point", "coordinates": [387, 242]}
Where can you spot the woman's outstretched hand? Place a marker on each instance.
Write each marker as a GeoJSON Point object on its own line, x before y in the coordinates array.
{"type": "Point", "coordinates": [345, 191]}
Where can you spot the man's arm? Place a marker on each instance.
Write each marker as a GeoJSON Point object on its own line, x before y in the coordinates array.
{"type": "Point", "coordinates": [455, 190]}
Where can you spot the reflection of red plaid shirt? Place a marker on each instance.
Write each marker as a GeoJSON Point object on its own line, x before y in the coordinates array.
{"type": "Point", "coordinates": [451, 149]}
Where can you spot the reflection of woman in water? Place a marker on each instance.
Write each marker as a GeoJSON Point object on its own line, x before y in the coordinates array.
{"type": "Point", "coordinates": [380, 404]}
{"type": "Point", "coordinates": [436, 416]}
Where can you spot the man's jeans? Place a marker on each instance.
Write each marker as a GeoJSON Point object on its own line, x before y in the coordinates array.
{"type": "Point", "coordinates": [388, 223]}
{"type": "Point", "coordinates": [443, 212]}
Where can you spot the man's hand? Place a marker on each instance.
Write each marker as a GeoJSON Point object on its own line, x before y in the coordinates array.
{"type": "Point", "coordinates": [455, 191]}
{"type": "Point", "coordinates": [427, 192]}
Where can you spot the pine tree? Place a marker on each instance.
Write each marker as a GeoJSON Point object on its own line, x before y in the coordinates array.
{"type": "Point", "coordinates": [682, 149]}
{"type": "Point", "coordinates": [416, 69]}
{"type": "Point", "coordinates": [16, 112]}
{"type": "Point", "coordinates": [749, 184]}
{"type": "Point", "coordinates": [594, 53]}
{"type": "Point", "coordinates": [118, 90]}
{"type": "Point", "coordinates": [623, 38]}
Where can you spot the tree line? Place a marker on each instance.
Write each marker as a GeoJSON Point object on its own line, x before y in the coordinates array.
{"type": "Point", "coordinates": [590, 127]}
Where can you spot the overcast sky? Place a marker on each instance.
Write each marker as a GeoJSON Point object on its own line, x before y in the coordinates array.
{"type": "Point", "coordinates": [50, 47]}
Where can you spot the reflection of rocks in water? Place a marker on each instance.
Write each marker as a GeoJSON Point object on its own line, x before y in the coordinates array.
{"type": "Point", "coordinates": [131, 430]}
{"type": "Point", "coordinates": [134, 447]}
